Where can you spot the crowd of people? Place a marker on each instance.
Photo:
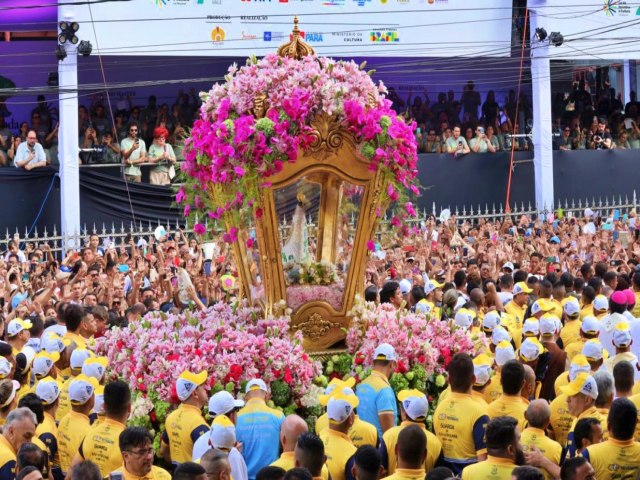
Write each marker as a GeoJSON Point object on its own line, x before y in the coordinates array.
{"type": "Point", "coordinates": [551, 304]}
{"type": "Point", "coordinates": [156, 131]}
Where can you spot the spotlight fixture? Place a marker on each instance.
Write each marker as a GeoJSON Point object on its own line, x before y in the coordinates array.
{"type": "Point", "coordinates": [61, 53]}
{"type": "Point", "coordinates": [541, 34]}
{"type": "Point", "coordinates": [68, 32]}
{"type": "Point", "coordinates": [85, 48]}
{"type": "Point", "coordinates": [52, 80]}
{"type": "Point", "coordinates": [556, 39]}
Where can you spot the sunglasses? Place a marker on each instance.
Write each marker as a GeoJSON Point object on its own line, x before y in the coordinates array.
{"type": "Point", "coordinates": [133, 131]}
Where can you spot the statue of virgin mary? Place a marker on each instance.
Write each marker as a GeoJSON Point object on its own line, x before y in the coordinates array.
{"type": "Point", "coordinates": [297, 247]}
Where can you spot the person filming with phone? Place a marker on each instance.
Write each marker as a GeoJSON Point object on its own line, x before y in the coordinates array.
{"type": "Point", "coordinates": [457, 144]}
{"type": "Point", "coordinates": [134, 152]}
{"type": "Point", "coordinates": [480, 143]}
{"type": "Point", "coordinates": [30, 154]}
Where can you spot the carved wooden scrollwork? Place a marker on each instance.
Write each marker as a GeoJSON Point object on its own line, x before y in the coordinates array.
{"type": "Point", "coordinates": [316, 327]}
{"type": "Point", "coordinates": [327, 135]}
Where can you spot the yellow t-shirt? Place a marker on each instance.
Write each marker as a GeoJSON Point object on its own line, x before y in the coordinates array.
{"type": "Point", "coordinates": [509, 406]}
{"type": "Point", "coordinates": [636, 308]}
{"type": "Point", "coordinates": [493, 468]}
{"type": "Point", "coordinates": [636, 401]}
{"type": "Point", "coordinates": [575, 348]}
{"type": "Point", "coordinates": [339, 450]}
{"type": "Point", "coordinates": [561, 381]}
{"type": "Point", "coordinates": [570, 332]}
{"type": "Point", "coordinates": [156, 473]}
{"type": "Point", "coordinates": [7, 459]}
{"type": "Point", "coordinates": [47, 432]}
{"type": "Point", "coordinates": [407, 474]}
{"type": "Point", "coordinates": [79, 340]}
{"type": "Point", "coordinates": [480, 398]}
{"type": "Point", "coordinates": [71, 431]}
{"type": "Point", "coordinates": [64, 404]}
{"type": "Point", "coordinates": [493, 391]}
{"type": "Point", "coordinates": [287, 461]}
{"type": "Point", "coordinates": [361, 432]}
{"type": "Point", "coordinates": [561, 419]}
{"type": "Point", "coordinates": [101, 446]}
{"type": "Point", "coordinates": [182, 428]}
{"type": "Point", "coordinates": [390, 440]}
{"type": "Point", "coordinates": [460, 422]}
{"type": "Point", "coordinates": [586, 311]}
{"type": "Point", "coordinates": [534, 437]}
{"type": "Point", "coordinates": [515, 328]}
{"type": "Point", "coordinates": [614, 459]}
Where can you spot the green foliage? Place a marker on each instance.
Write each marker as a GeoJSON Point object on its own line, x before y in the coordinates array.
{"type": "Point", "coordinates": [280, 393]}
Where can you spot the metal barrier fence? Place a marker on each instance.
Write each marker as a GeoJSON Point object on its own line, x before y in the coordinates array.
{"type": "Point", "coordinates": [118, 233]}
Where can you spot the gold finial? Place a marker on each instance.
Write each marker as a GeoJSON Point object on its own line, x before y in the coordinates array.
{"type": "Point", "coordinates": [296, 48]}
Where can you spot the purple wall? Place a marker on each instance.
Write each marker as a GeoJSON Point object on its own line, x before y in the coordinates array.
{"type": "Point", "coordinates": [28, 15]}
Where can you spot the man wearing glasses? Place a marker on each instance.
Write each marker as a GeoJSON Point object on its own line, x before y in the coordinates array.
{"type": "Point", "coordinates": [30, 154]}
{"type": "Point", "coordinates": [136, 445]}
{"type": "Point", "coordinates": [134, 152]}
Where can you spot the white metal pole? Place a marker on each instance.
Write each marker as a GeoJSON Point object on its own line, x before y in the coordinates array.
{"type": "Point", "coordinates": [68, 139]}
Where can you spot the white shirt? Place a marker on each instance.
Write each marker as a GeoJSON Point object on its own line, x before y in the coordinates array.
{"type": "Point", "coordinates": [608, 325]}
{"type": "Point", "coordinates": [505, 297]}
{"type": "Point", "coordinates": [238, 465]}
{"type": "Point", "coordinates": [21, 256]}
{"type": "Point", "coordinates": [23, 153]}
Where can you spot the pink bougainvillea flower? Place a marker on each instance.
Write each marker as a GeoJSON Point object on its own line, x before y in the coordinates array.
{"type": "Point", "coordinates": [199, 229]}
{"type": "Point", "coordinates": [371, 245]}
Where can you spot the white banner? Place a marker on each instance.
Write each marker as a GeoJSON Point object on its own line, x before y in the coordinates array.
{"type": "Point", "coordinates": [421, 28]}
{"type": "Point", "coordinates": [592, 29]}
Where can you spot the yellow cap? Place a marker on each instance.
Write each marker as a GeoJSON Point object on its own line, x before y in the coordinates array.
{"type": "Point", "coordinates": [583, 383]}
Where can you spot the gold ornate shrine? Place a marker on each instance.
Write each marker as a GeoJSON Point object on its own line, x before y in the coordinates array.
{"type": "Point", "coordinates": [310, 244]}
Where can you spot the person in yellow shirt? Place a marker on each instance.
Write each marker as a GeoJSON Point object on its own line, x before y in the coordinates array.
{"type": "Point", "coordinates": [589, 330]}
{"type": "Point", "coordinates": [482, 373]}
{"type": "Point", "coordinates": [510, 403]}
{"type": "Point", "coordinates": [504, 452]}
{"type": "Point", "coordinates": [75, 425]}
{"type": "Point", "coordinates": [588, 432]}
{"type": "Point", "coordinates": [517, 309]}
{"type": "Point", "coordinates": [531, 328]}
{"type": "Point", "coordinates": [538, 415]}
{"type": "Point", "coordinates": [587, 298]}
{"type": "Point", "coordinates": [48, 390]}
{"type": "Point", "coordinates": [361, 432]}
{"type": "Point", "coordinates": [101, 444]}
{"type": "Point", "coordinates": [20, 428]}
{"type": "Point", "coordinates": [18, 334]}
{"type": "Point", "coordinates": [559, 296]}
{"type": "Point", "coordinates": [309, 454]}
{"type": "Point", "coordinates": [414, 408]}
{"type": "Point", "coordinates": [44, 365]}
{"type": "Point", "coordinates": [459, 421]}
{"type": "Point", "coordinates": [570, 331]}
{"type": "Point", "coordinates": [81, 326]}
{"type": "Point", "coordinates": [338, 446]}
{"type": "Point", "coordinates": [186, 424]}
{"type": "Point", "coordinates": [52, 343]}
{"type": "Point", "coordinates": [504, 353]}
{"type": "Point", "coordinates": [578, 364]}
{"type": "Point", "coordinates": [76, 360]}
{"type": "Point", "coordinates": [619, 456]}
{"type": "Point", "coordinates": [96, 367]}
{"type": "Point", "coordinates": [412, 451]}
{"type": "Point", "coordinates": [136, 445]}
{"type": "Point", "coordinates": [581, 394]}
{"type": "Point", "coordinates": [529, 354]}
{"type": "Point", "coordinates": [595, 354]}
{"type": "Point", "coordinates": [600, 307]}
{"type": "Point", "coordinates": [561, 420]}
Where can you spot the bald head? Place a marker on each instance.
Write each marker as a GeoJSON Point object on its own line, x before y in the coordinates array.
{"type": "Point", "coordinates": [529, 382]}
{"type": "Point", "coordinates": [477, 296]}
{"type": "Point", "coordinates": [538, 414]}
{"type": "Point", "coordinates": [292, 427]}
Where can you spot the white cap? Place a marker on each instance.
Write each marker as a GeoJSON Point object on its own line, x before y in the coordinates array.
{"type": "Point", "coordinates": [405, 286]}
{"type": "Point", "coordinates": [5, 368]}
{"type": "Point", "coordinates": [583, 383]}
{"type": "Point", "coordinates": [500, 334]}
{"type": "Point", "coordinates": [256, 384]}
{"type": "Point", "coordinates": [29, 354]}
{"type": "Point", "coordinates": [384, 351]}
{"type": "Point", "coordinates": [509, 265]}
{"type": "Point", "coordinates": [53, 343]}
{"type": "Point", "coordinates": [95, 367]}
{"type": "Point", "coordinates": [223, 433]}
{"type": "Point", "coordinates": [222, 403]}
{"type": "Point", "coordinates": [59, 330]}
{"type": "Point", "coordinates": [622, 335]}
{"type": "Point", "coordinates": [81, 389]}
{"type": "Point", "coordinates": [590, 325]}
{"type": "Point", "coordinates": [188, 382]}
{"type": "Point", "coordinates": [431, 285]}
{"type": "Point", "coordinates": [490, 321]}
{"type": "Point", "coordinates": [464, 318]}
{"type": "Point", "coordinates": [521, 287]}
{"type": "Point", "coordinates": [48, 390]}
{"type": "Point", "coordinates": [44, 362]}
{"type": "Point", "coordinates": [593, 350]}
{"type": "Point", "coordinates": [18, 325]}
{"type": "Point", "coordinates": [504, 353]}
{"type": "Point", "coordinates": [571, 308]}
{"type": "Point", "coordinates": [540, 305]}
{"type": "Point", "coordinates": [340, 407]}
{"type": "Point", "coordinates": [482, 369]}
{"type": "Point", "coordinates": [414, 403]}
{"type": "Point", "coordinates": [578, 364]}
{"type": "Point", "coordinates": [78, 357]}
{"type": "Point", "coordinates": [98, 403]}
{"type": "Point", "coordinates": [530, 349]}
{"type": "Point", "coordinates": [549, 324]}
{"type": "Point", "coordinates": [16, 387]}
{"type": "Point", "coordinates": [423, 307]}
{"type": "Point", "coordinates": [601, 303]}
{"type": "Point", "coordinates": [531, 327]}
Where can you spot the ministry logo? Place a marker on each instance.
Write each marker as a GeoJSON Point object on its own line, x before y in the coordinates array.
{"type": "Point", "coordinates": [384, 36]}
{"type": "Point", "coordinates": [273, 36]}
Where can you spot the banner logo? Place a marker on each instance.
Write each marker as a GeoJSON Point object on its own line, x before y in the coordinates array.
{"type": "Point", "coordinates": [384, 36]}
{"type": "Point", "coordinates": [218, 35]}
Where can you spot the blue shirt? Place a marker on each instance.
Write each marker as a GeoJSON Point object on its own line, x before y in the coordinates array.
{"type": "Point", "coordinates": [258, 429]}
{"type": "Point", "coordinates": [23, 152]}
{"type": "Point", "coordinates": [376, 396]}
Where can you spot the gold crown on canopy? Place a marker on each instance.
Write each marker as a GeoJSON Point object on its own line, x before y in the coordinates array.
{"type": "Point", "coordinates": [296, 48]}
